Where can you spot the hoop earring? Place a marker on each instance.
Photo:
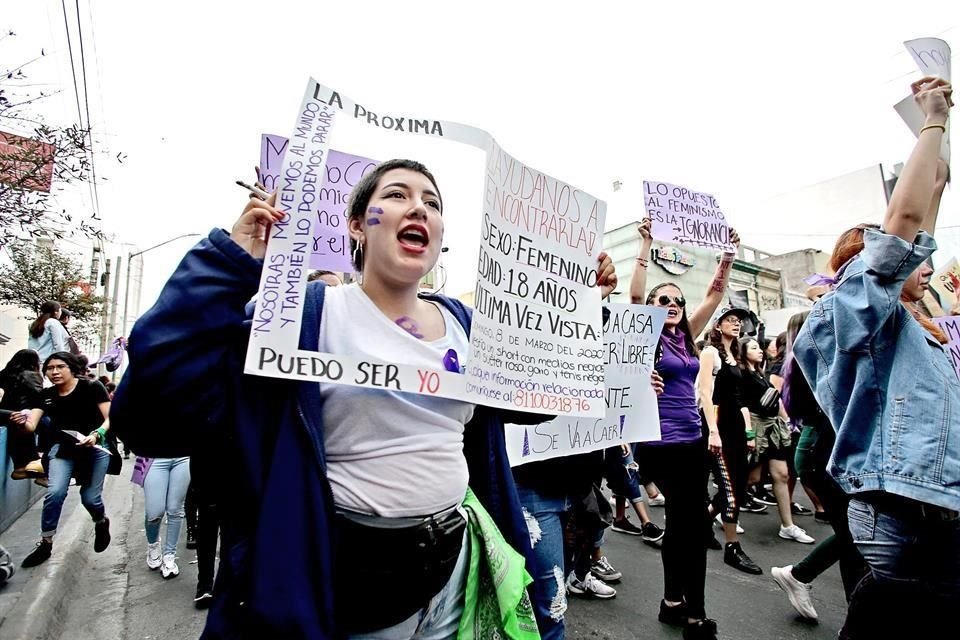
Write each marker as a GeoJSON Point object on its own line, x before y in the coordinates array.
{"type": "Point", "coordinates": [358, 251]}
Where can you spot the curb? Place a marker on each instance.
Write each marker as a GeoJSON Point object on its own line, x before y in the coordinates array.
{"type": "Point", "coordinates": [40, 613]}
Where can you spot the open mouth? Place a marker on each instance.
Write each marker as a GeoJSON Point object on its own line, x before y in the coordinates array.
{"type": "Point", "coordinates": [673, 313]}
{"type": "Point", "coordinates": [414, 238]}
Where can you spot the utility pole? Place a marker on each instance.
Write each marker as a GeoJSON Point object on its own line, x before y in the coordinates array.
{"type": "Point", "coordinates": [112, 333]}
{"type": "Point", "coordinates": [104, 311]}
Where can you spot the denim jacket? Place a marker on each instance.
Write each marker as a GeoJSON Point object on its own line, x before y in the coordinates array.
{"type": "Point", "coordinates": [886, 384]}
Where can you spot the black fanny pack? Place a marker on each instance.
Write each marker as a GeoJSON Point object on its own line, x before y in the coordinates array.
{"type": "Point", "coordinates": [387, 569]}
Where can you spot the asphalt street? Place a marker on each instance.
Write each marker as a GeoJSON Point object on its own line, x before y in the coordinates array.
{"type": "Point", "coordinates": [115, 595]}
{"type": "Point", "coordinates": [744, 606]}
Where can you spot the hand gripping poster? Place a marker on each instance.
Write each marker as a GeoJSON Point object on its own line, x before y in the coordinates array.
{"type": "Point", "coordinates": [536, 341]}
{"type": "Point", "coordinates": [631, 335]}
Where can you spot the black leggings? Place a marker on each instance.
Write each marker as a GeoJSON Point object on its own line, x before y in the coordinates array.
{"type": "Point", "coordinates": [730, 470]}
{"type": "Point", "coordinates": [203, 518]}
{"type": "Point", "coordinates": [680, 472]}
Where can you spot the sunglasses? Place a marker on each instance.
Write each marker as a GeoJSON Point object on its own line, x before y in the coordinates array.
{"type": "Point", "coordinates": [666, 300]}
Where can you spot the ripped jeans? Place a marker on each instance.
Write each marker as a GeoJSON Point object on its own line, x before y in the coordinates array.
{"type": "Point", "coordinates": [546, 518]}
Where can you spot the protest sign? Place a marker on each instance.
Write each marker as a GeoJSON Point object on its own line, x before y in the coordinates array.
{"type": "Point", "coordinates": [950, 325]}
{"type": "Point", "coordinates": [932, 56]}
{"type": "Point", "coordinates": [537, 314]}
{"type": "Point", "coordinates": [946, 282]}
{"type": "Point", "coordinates": [631, 335]}
{"type": "Point", "coordinates": [685, 217]}
{"type": "Point", "coordinates": [26, 163]}
{"type": "Point", "coordinates": [536, 340]}
{"type": "Point", "coordinates": [331, 239]}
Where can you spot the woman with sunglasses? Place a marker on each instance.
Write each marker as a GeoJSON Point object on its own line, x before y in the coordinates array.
{"type": "Point", "coordinates": [676, 463]}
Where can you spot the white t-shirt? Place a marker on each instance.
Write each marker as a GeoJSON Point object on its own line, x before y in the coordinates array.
{"type": "Point", "coordinates": [389, 453]}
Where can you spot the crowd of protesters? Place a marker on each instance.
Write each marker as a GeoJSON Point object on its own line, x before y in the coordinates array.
{"type": "Point", "coordinates": [367, 513]}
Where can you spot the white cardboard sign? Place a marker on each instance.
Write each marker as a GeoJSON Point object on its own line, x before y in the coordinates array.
{"type": "Point", "coordinates": [932, 56]}
{"type": "Point", "coordinates": [632, 415]}
{"type": "Point", "coordinates": [686, 217]}
{"type": "Point", "coordinates": [536, 340]}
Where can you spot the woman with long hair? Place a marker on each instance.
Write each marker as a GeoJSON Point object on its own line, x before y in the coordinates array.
{"type": "Point", "coordinates": [21, 386]}
{"type": "Point", "coordinates": [812, 457]}
{"type": "Point", "coordinates": [78, 444]}
{"type": "Point", "coordinates": [676, 463]}
{"type": "Point", "coordinates": [723, 408]}
{"type": "Point", "coordinates": [881, 374]}
{"type": "Point", "coordinates": [47, 335]}
{"type": "Point", "coordinates": [773, 437]}
{"type": "Point", "coordinates": [366, 490]}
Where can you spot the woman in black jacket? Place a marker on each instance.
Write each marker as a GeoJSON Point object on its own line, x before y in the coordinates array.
{"type": "Point", "coordinates": [21, 384]}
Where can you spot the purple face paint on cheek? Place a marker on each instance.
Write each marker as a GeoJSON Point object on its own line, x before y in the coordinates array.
{"type": "Point", "coordinates": [376, 210]}
{"type": "Point", "coordinates": [371, 221]}
{"type": "Point", "coordinates": [407, 324]}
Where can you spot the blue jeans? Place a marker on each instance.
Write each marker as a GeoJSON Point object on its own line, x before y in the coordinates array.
{"type": "Point", "coordinates": [622, 474]}
{"type": "Point", "coordinates": [59, 472]}
{"type": "Point", "coordinates": [913, 554]}
{"type": "Point", "coordinates": [164, 491]}
{"type": "Point", "coordinates": [546, 519]}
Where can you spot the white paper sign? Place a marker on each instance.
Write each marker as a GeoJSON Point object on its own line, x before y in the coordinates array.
{"type": "Point", "coordinates": [537, 313]}
{"type": "Point", "coordinates": [932, 56]}
{"type": "Point", "coordinates": [536, 340]}
{"type": "Point", "coordinates": [686, 217]}
{"type": "Point", "coordinates": [631, 336]}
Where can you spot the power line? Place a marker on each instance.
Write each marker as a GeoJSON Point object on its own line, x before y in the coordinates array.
{"type": "Point", "coordinates": [86, 102]}
{"type": "Point", "coordinates": [76, 90]}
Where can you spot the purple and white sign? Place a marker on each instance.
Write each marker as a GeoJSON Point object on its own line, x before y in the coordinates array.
{"type": "Point", "coordinates": [331, 238]}
{"type": "Point", "coordinates": [686, 217]}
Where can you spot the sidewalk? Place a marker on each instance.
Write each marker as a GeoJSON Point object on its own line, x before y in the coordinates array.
{"type": "Point", "coordinates": [79, 594]}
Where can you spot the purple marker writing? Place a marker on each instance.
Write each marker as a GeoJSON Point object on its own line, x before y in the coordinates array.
{"type": "Point", "coordinates": [407, 324]}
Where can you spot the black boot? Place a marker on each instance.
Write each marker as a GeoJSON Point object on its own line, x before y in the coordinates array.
{"type": "Point", "coordinates": [39, 555]}
{"type": "Point", "coordinates": [734, 556]}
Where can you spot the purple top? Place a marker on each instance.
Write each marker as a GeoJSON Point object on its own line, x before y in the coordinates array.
{"type": "Point", "coordinates": [679, 416]}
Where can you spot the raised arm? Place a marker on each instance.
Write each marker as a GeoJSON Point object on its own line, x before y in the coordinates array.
{"type": "Point", "coordinates": [698, 319]}
{"type": "Point", "coordinates": [912, 205]}
{"type": "Point", "coordinates": [638, 283]}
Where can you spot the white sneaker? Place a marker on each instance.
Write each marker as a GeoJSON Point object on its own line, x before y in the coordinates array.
{"type": "Point", "coordinates": [740, 530]}
{"type": "Point", "coordinates": [795, 533]}
{"type": "Point", "coordinates": [659, 501]}
{"type": "Point", "coordinates": [589, 587]}
{"type": "Point", "coordinates": [154, 556]}
{"type": "Point", "coordinates": [798, 592]}
{"type": "Point", "coordinates": [169, 568]}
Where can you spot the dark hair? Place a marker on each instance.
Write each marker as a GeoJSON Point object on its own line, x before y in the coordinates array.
{"type": "Point", "coordinates": [47, 309]}
{"type": "Point", "coordinates": [319, 273]}
{"type": "Point", "coordinates": [684, 324]}
{"type": "Point", "coordinates": [23, 360]}
{"type": "Point", "coordinates": [363, 191]}
{"type": "Point", "coordinates": [715, 338]}
{"type": "Point", "coordinates": [65, 315]}
{"type": "Point", "coordinates": [742, 348]}
{"type": "Point", "coordinates": [111, 387]}
{"type": "Point", "coordinates": [104, 380]}
{"type": "Point", "coordinates": [73, 362]}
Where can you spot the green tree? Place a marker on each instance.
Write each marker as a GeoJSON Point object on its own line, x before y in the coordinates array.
{"type": "Point", "coordinates": [39, 273]}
